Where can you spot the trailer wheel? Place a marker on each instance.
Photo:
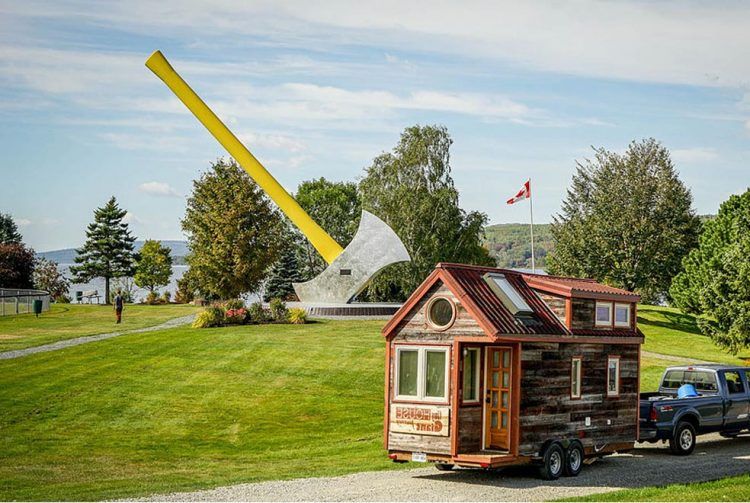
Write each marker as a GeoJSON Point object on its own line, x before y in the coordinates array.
{"type": "Point", "coordinates": [682, 442]}
{"type": "Point", "coordinates": [573, 459]}
{"type": "Point", "coordinates": [553, 462]}
{"type": "Point", "coordinates": [444, 467]}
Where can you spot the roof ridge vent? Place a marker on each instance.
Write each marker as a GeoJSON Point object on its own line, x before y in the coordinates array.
{"type": "Point", "coordinates": [507, 293]}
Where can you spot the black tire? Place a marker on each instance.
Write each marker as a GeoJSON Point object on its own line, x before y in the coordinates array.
{"type": "Point", "coordinates": [552, 462]}
{"type": "Point", "coordinates": [444, 467]}
{"type": "Point", "coordinates": [573, 459]}
{"type": "Point", "coordinates": [682, 442]}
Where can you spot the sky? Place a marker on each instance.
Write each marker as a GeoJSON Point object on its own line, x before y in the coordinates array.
{"type": "Point", "coordinates": [320, 88]}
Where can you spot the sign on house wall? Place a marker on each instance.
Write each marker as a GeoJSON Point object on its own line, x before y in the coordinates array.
{"type": "Point", "coordinates": [420, 419]}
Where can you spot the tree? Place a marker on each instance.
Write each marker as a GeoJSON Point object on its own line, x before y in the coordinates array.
{"type": "Point", "coordinates": [108, 250]}
{"type": "Point", "coordinates": [9, 230]}
{"type": "Point", "coordinates": [715, 279]}
{"type": "Point", "coordinates": [234, 232]}
{"type": "Point", "coordinates": [284, 272]}
{"type": "Point", "coordinates": [48, 277]}
{"type": "Point", "coordinates": [336, 207]}
{"type": "Point", "coordinates": [153, 266]}
{"type": "Point", "coordinates": [16, 266]}
{"type": "Point", "coordinates": [411, 189]}
{"type": "Point", "coordinates": [627, 221]}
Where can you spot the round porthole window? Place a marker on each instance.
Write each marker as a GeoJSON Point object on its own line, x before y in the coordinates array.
{"type": "Point", "coordinates": [441, 313]}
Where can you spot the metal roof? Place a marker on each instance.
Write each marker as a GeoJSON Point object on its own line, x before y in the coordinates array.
{"type": "Point", "coordinates": [581, 288]}
{"type": "Point", "coordinates": [470, 278]}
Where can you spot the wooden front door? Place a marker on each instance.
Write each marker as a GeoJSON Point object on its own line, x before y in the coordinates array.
{"type": "Point", "coordinates": [497, 398]}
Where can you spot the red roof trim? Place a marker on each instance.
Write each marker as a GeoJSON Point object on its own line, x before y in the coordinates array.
{"type": "Point", "coordinates": [584, 288]}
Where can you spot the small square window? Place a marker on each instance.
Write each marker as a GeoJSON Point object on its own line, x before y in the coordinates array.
{"type": "Point", "coordinates": [622, 315]}
{"type": "Point", "coordinates": [421, 373]}
{"type": "Point", "coordinates": [604, 313]}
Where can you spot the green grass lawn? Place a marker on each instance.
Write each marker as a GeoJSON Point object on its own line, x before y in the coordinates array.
{"type": "Point", "coordinates": [728, 489]}
{"type": "Point", "coordinates": [670, 332]}
{"type": "Point", "coordinates": [66, 321]}
{"type": "Point", "coordinates": [185, 408]}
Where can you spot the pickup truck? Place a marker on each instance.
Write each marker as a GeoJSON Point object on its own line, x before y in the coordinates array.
{"type": "Point", "coordinates": [722, 405]}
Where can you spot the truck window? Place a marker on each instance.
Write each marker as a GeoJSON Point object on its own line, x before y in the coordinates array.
{"type": "Point", "coordinates": [703, 380]}
{"type": "Point", "coordinates": [734, 382]}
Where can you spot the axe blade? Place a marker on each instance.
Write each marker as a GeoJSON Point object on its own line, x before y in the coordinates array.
{"type": "Point", "coordinates": [374, 247]}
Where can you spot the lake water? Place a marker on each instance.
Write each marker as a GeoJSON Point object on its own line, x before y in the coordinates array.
{"type": "Point", "coordinates": [98, 283]}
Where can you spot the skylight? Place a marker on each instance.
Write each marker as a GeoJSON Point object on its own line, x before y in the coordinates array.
{"type": "Point", "coordinates": [507, 294]}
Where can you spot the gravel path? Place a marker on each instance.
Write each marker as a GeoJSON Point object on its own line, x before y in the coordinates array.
{"type": "Point", "coordinates": [18, 353]}
{"type": "Point", "coordinates": [649, 465]}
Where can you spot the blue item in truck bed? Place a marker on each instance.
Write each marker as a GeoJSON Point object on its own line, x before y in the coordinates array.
{"type": "Point", "coordinates": [686, 391]}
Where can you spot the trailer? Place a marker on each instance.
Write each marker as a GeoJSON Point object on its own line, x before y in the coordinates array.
{"type": "Point", "coordinates": [490, 367]}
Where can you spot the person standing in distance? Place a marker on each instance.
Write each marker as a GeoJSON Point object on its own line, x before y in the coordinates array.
{"type": "Point", "coordinates": [119, 304]}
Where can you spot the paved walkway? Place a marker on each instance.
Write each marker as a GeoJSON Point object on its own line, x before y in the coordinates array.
{"type": "Point", "coordinates": [18, 353]}
{"type": "Point", "coordinates": [672, 358]}
{"type": "Point", "coordinates": [648, 465]}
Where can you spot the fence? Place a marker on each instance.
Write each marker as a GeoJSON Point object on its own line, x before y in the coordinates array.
{"type": "Point", "coordinates": [14, 301]}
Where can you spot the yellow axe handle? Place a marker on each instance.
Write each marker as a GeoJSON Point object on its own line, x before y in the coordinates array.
{"type": "Point", "coordinates": [319, 238]}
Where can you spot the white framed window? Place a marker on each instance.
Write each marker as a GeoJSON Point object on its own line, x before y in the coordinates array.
{"type": "Point", "coordinates": [622, 315]}
{"type": "Point", "coordinates": [603, 315]}
{"type": "Point", "coordinates": [470, 384]}
{"type": "Point", "coordinates": [613, 376]}
{"type": "Point", "coordinates": [440, 313]}
{"type": "Point", "coordinates": [575, 377]}
{"type": "Point", "coordinates": [422, 373]}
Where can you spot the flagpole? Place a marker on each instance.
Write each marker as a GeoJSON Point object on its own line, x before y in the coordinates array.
{"type": "Point", "coordinates": [531, 213]}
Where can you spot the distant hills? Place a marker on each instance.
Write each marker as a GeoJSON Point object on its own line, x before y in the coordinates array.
{"type": "Point", "coordinates": [68, 255]}
{"type": "Point", "coordinates": [510, 244]}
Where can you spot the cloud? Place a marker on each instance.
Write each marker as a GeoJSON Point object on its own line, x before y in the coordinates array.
{"type": "Point", "coordinates": [130, 218]}
{"type": "Point", "coordinates": [694, 154]}
{"type": "Point", "coordinates": [23, 222]}
{"type": "Point", "coordinates": [271, 141]}
{"type": "Point", "coordinates": [159, 189]}
{"type": "Point", "coordinates": [632, 40]}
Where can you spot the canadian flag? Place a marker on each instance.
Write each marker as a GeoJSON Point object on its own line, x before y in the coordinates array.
{"type": "Point", "coordinates": [524, 193]}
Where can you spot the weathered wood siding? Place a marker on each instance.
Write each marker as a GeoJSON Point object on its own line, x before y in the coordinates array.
{"type": "Point", "coordinates": [470, 428]}
{"type": "Point", "coordinates": [414, 327]}
{"type": "Point", "coordinates": [555, 303]}
{"type": "Point", "coordinates": [583, 313]}
{"type": "Point", "coordinates": [547, 411]}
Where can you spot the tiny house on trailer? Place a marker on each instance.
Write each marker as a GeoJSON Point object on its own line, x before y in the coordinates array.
{"type": "Point", "coordinates": [489, 367]}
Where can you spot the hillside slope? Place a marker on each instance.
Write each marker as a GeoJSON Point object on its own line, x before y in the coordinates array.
{"type": "Point", "coordinates": [510, 244]}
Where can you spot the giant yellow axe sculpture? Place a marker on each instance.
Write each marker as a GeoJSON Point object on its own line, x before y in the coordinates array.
{"type": "Point", "coordinates": [319, 238]}
{"type": "Point", "coordinates": [373, 247]}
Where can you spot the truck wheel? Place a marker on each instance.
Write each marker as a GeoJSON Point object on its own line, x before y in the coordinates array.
{"type": "Point", "coordinates": [444, 467]}
{"type": "Point", "coordinates": [682, 442]}
{"type": "Point", "coordinates": [573, 459]}
{"type": "Point", "coordinates": [553, 462]}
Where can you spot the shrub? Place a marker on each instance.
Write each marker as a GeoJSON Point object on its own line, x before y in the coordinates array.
{"type": "Point", "coordinates": [166, 296]}
{"type": "Point", "coordinates": [185, 292]}
{"type": "Point", "coordinates": [297, 316]}
{"type": "Point", "coordinates": [279, 312]}
{"type": "Point", "coordinates": [211, 317]}
{"type": "Point", "coordinates": [233, 304]}
{"type": "Point", "coordinates": [236, 316]}
{"type": "Point", "coordinates": [258, 314]}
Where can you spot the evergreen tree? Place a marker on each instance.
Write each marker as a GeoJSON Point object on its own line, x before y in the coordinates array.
{"type": "Point", "coordinates": [715, 278]}
{"type": "Point", "coordinates": [627, 221]}
{"type": "Point", "coordinates": [9, 230]}
{"type": "Point", "coordinates": [234, 233]}
{"type": "Point", "coordinates": [284, 272]}
{"type": "Point", "coordinates": [411, 189]}
{"type": "Point", "coordinates": [108, 250]}
{"type": "Point", "coordinates": [153, 266]}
